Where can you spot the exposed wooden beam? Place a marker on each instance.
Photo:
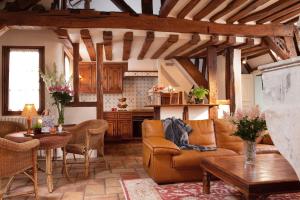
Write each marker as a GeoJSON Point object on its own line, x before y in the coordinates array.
{"type": "Point", "coordinates": [279, 14]}
{"type": "Point", "coordinates": [248, 9]}
{"type": "Point", "coordinates": [63, 35]}
{"type": "Point", "coordinates": [214, 40]}
{"type": "Point", "coordinates": [99, 87]}
{"type": "Point", "coordinates": [287, 17]}
{"type": "Point", "coordinates": [204, 66]}
{"type": "Point", "coordinates": [166, 7]}
{"type": "Point", "coordinates": [147, 7]}
{"type": "Point", "coordinates": [297, 40]}
{"type": "Point", "coordinates": [292, 21]}
{"type": "Point", "coordinates": [147, 43]}
{"type": "Point", "coordinates": [87, 4]}
{"type": "Point", "coordinates": [211, 6]}
{"type": "Point", "coordinates": [248, 68]}
{"type": "Point", "coordinates": [276, 47]}
{"type": "Point", "coordinates": [253, 53]}
{"type": "Point", "coordinates": [128, 38]}
{"type": "Point", "coordinates": [167, 44]}
{"type": "Point", "coordinates": [229, 78]}
{"type": "Point", "coordinates": [194, 40]}
{"type": "Point", "coordinates": [253, 49]}
{"type": "Point", "coordinates": [187, 8]}
{"type": "Point", "coordinates": [273, 56]}
{"type": "Point", "coordinates": [193, 71]}
{"type": "Point", "coordinates": [76, 58]}
{"type": "Point", "coordinates": [261, 53]}
{"type": "Point", "coordinates": [212, 80]}
{"type": "Point", "coordinates": [88, 41]}
{"type": "Point", "coordinates": [3, 29]}
{"type": "Point", "coordinates": [249, 43]}
{"type": "Point", "coordinates": [123, 6]}
{"type": "Point", "coordinates": [231, 41]}
{"type": "Point", "coordinates": [107, 41]}
{"type": "Point", "coordinates": [230, 7]}
{"type": "Point", "coordinates": [290, 45]}
{"type": "Point", "coordinates": [94, 19]}
{"type": "Point", "coordinates": [270, 10]}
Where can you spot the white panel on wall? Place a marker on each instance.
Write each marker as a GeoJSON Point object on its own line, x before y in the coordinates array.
{"type": "Point", "coordinates": [247, 91]}
{"type": "Point", "coordinates": [167, 112]}
{"type": "Point", "coordinates": [75, 115]}
{"type": "Point", "coordinates": [198, 113]}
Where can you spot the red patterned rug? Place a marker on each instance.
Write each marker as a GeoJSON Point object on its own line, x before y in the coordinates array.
{"type": "Point", "coordinates": [147, 189]}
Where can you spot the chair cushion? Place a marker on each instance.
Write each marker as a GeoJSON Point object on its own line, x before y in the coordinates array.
{"type": "Point", "coordinates": [224, 137]}
{"type": "Point", "coordinates": [192, 158]}
{"type": "Point", "coordinates": [203, 132]}
{"type": "Point", "coordinates": [75, 148]}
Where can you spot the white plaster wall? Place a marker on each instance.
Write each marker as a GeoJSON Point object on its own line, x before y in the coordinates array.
{"type": "Point", "coordinates": [221, 63]}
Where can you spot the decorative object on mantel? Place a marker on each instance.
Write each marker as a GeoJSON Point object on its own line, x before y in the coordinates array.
{"type": "Point", "coordinates": [60, 91]}
{"type": "Point", "coordinates": [122, 105]}
{"type": "Point", "coordinates": [199, 93]}
{"type": "Point", "coordinates": [29, 111]}
{"type": "Point", "coordinates": [249, 126]}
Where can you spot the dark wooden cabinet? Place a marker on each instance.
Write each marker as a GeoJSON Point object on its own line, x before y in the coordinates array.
{"type": "Point", "coordinates": [119, 124]}
{"type": "Point", "coordinates": [113, 77]}
{"type": "Point", "coordinates": [87, 77]}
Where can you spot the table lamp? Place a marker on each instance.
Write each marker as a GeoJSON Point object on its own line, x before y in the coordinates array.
{"type": "Point", "coordinates": [29, 111]}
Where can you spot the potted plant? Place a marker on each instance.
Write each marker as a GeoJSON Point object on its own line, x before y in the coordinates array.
{"type": "Point", "coordinates": [249, 125]}
{"type": "Point", "coordinates": [199, 93]}
{"type": "Point", "coordinates": [37, 128]}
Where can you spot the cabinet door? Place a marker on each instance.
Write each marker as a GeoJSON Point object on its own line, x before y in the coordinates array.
{"type": "Point", "coordinates": [115, 79]}
{"type": "Point", "coordinates": [125, 128]}
{"type": "Point", "coordinates": [112, 130]}
{"type": "Point", "coordinates": [87, 78]}
{"type": "Point", "coordinates": [105, 79]}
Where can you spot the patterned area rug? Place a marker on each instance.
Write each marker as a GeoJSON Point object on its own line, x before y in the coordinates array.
{"type": "Point", "coordinates": [147, 189]}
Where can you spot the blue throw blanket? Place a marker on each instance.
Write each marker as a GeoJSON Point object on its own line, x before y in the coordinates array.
{"type": "Point", "coordinates": [178, 132]}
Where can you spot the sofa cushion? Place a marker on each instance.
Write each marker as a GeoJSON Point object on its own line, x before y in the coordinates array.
{"type": "Point", "coordinates": [192, 158]}
{"type": "Point", "coordinates": [203, 132]}
{"type": "Point", "coordinates": [153, 128]}
{"type": "Point", "coordinates": [224, 138]}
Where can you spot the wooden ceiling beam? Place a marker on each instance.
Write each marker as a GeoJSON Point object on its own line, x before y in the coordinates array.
{"type": "Point", "coordinates": [211, 6]}
{"type": "Point", "coordinates": [213, 40]}
{"type": "Point", "coordinates": [261, 53]}
{"type": "Point", "coordinates": [3, 29]}
{"type": "Point", "coordinates": [248, 9]}
{"type": "Point", "coordinates": [147, 43]}
{"type": "Point", "coordinates": [64, 37]}
{"type": "Point", "coordinates": [253, 49]}
{"type": "Point", "coordinates": [270, 10]}
{"type": "Point", "coordinates": [94, 19]}
{"type": "Point", "coordinates": [107, 41]}
{"type": "Point", "coordinates": [187, 8]}
{"type": "Point", "coordinates": [292, 21]}
{"type": "Point", "coordinates": [128, 38]}
{"type": "Point", "coordinates": [248, 68]}
{"type": "Point", "coordinates": [274, 46]}
{"type": "Point", "coordinates": [230, 7]}
{"type": "Point", "coordinates": [147, 7]}
{"type": "Point", "coordinates": [194, 40]}
{"type": "Point", "coordinates": [249, 43]}
{"type": "Point", "coordinates": [255, 53]}
{"type": "Point", "coordinates": [272, 56]}
{"type": "Point", "coordinates": [287, 17]}
{"type": "Point", "coordinates": [172, 39]}
{"type": "Point", "coordinates": [123, 6]}
{"type": "Point", "coordinates": [166, 7]}
{"type": "Point", "coordinates": [231, 41]}
{"type": "Point", "coordinates": [88, 42]}
{"type": "Point", "coordinates": [279, 14]}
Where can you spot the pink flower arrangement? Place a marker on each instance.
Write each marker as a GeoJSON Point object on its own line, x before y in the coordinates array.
{"type": "Point", "coordinates": [62, 89]}
{"type": "Point", "coordinates": [251, 114]}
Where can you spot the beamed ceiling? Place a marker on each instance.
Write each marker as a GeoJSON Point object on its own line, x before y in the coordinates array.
{"type": "Point", "coordinates": [184, 28]}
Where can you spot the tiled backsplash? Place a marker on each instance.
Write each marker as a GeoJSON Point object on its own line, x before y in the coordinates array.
{"type": "Point", "coordinates": [135, 89]}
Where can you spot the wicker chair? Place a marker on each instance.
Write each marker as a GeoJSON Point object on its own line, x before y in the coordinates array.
{"type": "Point", "coordinates": [7, 127]}
{"type": "Point", "coordinates": [86, 136]}
{"type": "Point", "coordinates": [16, 158]}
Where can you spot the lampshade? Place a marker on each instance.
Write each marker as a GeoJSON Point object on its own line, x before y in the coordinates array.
{"type": "Point", "coordinates": [29, 111]}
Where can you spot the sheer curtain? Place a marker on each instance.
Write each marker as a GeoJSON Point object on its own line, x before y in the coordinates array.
{"type": "Point", "coordinates": [23, 78]}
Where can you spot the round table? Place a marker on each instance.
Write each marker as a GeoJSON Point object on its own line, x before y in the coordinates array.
{"type": "Point", "coordinates": [48, 142]}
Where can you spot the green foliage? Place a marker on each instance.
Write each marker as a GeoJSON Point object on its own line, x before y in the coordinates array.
{"type": "Point", "coordinates": [200, 92]}
{"type": "Point", "coordinates": [249, 129]}
{"type": "Point", "coordinates": [37, 126]}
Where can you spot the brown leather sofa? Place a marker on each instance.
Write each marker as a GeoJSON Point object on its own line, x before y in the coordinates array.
{"type": "Point", "coordinates": [166, 163]}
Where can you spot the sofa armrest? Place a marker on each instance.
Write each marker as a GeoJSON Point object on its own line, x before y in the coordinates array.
{"type": "Point", "coordinates": [160, 146]}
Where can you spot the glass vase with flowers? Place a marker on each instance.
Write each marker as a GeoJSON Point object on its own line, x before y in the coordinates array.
{"type": "Point", "coordinates": [249, 125]}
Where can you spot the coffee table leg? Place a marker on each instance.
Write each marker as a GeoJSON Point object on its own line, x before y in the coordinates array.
{"type": "Point", "coordinates": [206, 182]}
{"type": "Point", "coordinates": [49, 170]}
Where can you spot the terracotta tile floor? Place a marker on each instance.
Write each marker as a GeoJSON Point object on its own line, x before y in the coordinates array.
{"type": "Point", "coordinates": [123, 161]}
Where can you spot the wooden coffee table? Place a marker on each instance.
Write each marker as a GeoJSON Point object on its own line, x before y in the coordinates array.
{"type": "Point", "coordinates": [271, 174]}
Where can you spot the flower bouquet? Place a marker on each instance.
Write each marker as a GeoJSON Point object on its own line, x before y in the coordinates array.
{"type": "Point", "coordinates": [249, 125]}
{"type": "Point", "coordinates": [60, 91]}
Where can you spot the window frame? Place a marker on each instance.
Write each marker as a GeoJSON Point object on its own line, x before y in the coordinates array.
{"type": "Point", "coordinates": [5, 78]}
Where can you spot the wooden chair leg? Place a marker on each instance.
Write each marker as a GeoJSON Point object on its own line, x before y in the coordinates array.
{"type": "Point", "coordinates": [87, 163]}
{"type": "Point", "coordinates": [35, 174]}
{"type": "Point", "coordinates": [65, 164]}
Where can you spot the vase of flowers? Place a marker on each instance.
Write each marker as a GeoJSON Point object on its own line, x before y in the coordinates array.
{"type": "Point", "coordinates": [249, 125]}
{"type": "Point", "coordinates": [60, 91]}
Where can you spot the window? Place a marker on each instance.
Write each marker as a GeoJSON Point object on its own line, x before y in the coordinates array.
{"type": "Point", "coordinates": [21, 79]}
{"type": "Point", "coordinates": [67, 68]}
